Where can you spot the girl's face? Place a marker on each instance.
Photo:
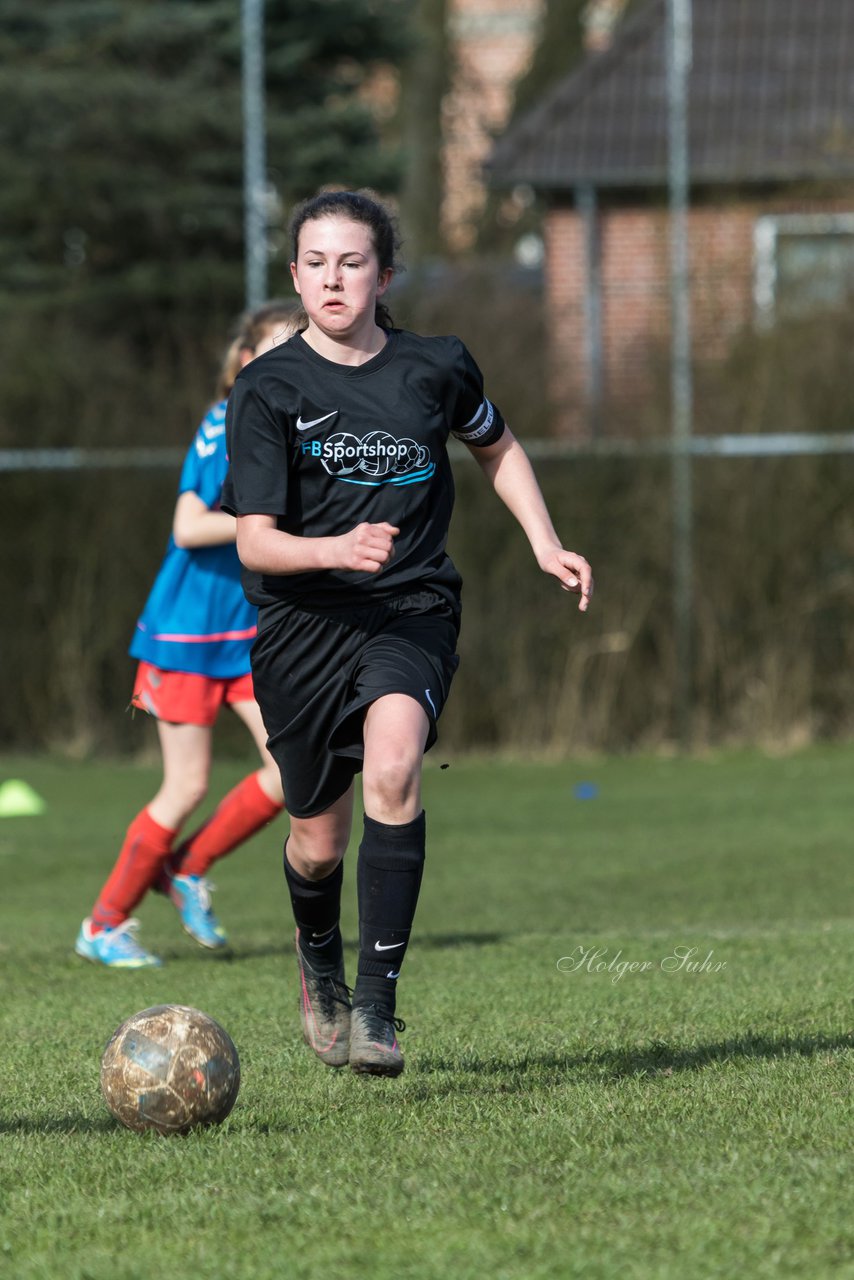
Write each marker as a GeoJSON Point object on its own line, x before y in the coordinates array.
{"type": "Point", "coordinates": [272, 337]}
{"type": "Point", "coordinates": [337, 275]}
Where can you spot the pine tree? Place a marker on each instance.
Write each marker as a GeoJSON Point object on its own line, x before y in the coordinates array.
{"type": "Point", "coordinates": [121, 140]}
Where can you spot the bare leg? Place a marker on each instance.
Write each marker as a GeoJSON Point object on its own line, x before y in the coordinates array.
{"type": "Point", "coordinates": [186, 750]}
{"type": "Point", "coordinates": [248, 807]}
{"type": "Point", "coordinates": [317, 845]}
{"type": "Point", "coordinates": [396, 728]}
{"type": "Point", "coordinates": [268, 775]}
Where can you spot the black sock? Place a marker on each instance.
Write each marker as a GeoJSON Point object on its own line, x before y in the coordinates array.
{"type": "Point", "coordinates": [388, 878]}
{"type": "Point", "coordinates": [317, 907]}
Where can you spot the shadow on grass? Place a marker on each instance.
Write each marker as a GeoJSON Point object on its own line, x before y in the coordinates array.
{"type": "Point", "coordinates": [429, 1078]}
{"type": "Point", "coordinates": [446, 941]}
{"type": "Point", "coordinates": [57, 1124]}
{"type": "Point", "coordinates": [179, 955]}
{"type": "Point", "coordinates": [655, 1059]}
{"type": "Point", "coordinates": [264, 951]}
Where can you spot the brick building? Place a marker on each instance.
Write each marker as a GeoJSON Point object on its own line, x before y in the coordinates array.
{"type": "Point", "coordinates": [492, 42]}
{"type": "Point", "coordinates": [771, 224]}
{"type": "Point", "coordinates": [491, 45]}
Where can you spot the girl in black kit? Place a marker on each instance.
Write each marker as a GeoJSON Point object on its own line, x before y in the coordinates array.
{"type": "Point", "coordinates": [343, 492]}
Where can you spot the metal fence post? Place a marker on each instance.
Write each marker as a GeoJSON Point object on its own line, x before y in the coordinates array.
{"type": "Point", "coordinates": [678, 71]}
{"type": "Point", "coordinates": [254, 152]}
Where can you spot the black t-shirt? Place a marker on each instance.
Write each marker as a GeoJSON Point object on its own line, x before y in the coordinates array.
{"type": "Point", "coordinates": [324, 446]}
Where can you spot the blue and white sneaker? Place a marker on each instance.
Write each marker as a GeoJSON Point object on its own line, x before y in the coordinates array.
{"type": "Point", "coordinates": [116, 948]}
{"type": "Point", "coordinates": [192, 897]}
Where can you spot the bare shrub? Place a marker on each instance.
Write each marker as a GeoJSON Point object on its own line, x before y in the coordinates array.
{"type": "Point", "coordinates": [774, 553]}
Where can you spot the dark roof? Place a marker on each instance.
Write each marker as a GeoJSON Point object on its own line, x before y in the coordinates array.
{"type": "Point", "coordinates": [771, 98]}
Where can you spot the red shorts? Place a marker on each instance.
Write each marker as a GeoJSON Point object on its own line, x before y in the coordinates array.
{"type": "Point", "coordinates": [179, 697]}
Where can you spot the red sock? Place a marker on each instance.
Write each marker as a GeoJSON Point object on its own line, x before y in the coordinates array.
{"type": "Point", "coordinates": [146, 847]}
{"type": "Point", "coordinates": [245, 810]}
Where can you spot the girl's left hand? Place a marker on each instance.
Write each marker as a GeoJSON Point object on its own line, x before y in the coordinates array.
{"type": "Point", "coordinates": [572, 572]}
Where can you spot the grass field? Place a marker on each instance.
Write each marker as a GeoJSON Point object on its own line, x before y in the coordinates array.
{"type": "Point", "coordinates": [557, 1118]}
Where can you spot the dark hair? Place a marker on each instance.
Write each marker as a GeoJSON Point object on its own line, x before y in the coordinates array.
{"type": "Point", "coordinates": [358, 206]}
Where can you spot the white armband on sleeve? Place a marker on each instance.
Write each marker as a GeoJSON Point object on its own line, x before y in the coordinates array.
{"type": "Point", "coordinates": [478, 426]}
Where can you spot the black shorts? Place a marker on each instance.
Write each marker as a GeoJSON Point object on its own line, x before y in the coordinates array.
{"type": "Point", "coordinates": [315, 674]}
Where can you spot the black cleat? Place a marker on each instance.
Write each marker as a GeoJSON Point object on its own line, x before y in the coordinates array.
{"type": "Point", "coordinates": [373, 1043]}
{"type": "Point", "coordinates": [324, 1004]}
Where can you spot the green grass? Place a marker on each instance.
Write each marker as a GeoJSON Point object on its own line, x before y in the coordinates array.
{"type": "Point", "coordinates": [549, 1123]}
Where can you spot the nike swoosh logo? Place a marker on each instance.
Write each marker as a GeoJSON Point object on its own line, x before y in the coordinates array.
{"type": "Point", "coordinates": [392, 974]}
{"type": "Point", "coordinates": [315, 422]}
{"type": "Point", "coordinates": [378, 946]}
{"type": "Point", "coordinates": [327, 937]}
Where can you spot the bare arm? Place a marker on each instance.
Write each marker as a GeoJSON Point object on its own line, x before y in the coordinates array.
{"type": "Point", "coordinates": [195, 525]}
{"type": "Point", "coordinates": [263, 548]}
{"type": "Point", "coordinates": [505, 465]}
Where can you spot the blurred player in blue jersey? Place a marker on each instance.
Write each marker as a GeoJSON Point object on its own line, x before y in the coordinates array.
{"type": "Point", "coordinates": [192, 642]}
{"type": "Point", "coordinates": [343, 490]}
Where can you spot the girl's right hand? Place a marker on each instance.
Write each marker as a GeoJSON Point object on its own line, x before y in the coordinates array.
{"type": "Point", "coordinates": [366, 548]}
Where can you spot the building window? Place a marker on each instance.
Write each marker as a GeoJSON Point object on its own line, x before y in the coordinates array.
{"type": "Point", "coordinates": [802, 263]}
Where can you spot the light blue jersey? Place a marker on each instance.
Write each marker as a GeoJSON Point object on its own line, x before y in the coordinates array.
{"type": "Point", "coordinates": [197, 618]}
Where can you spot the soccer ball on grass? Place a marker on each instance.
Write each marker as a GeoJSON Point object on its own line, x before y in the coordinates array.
{"type": "Point", "coordinates": [170, 1068]}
